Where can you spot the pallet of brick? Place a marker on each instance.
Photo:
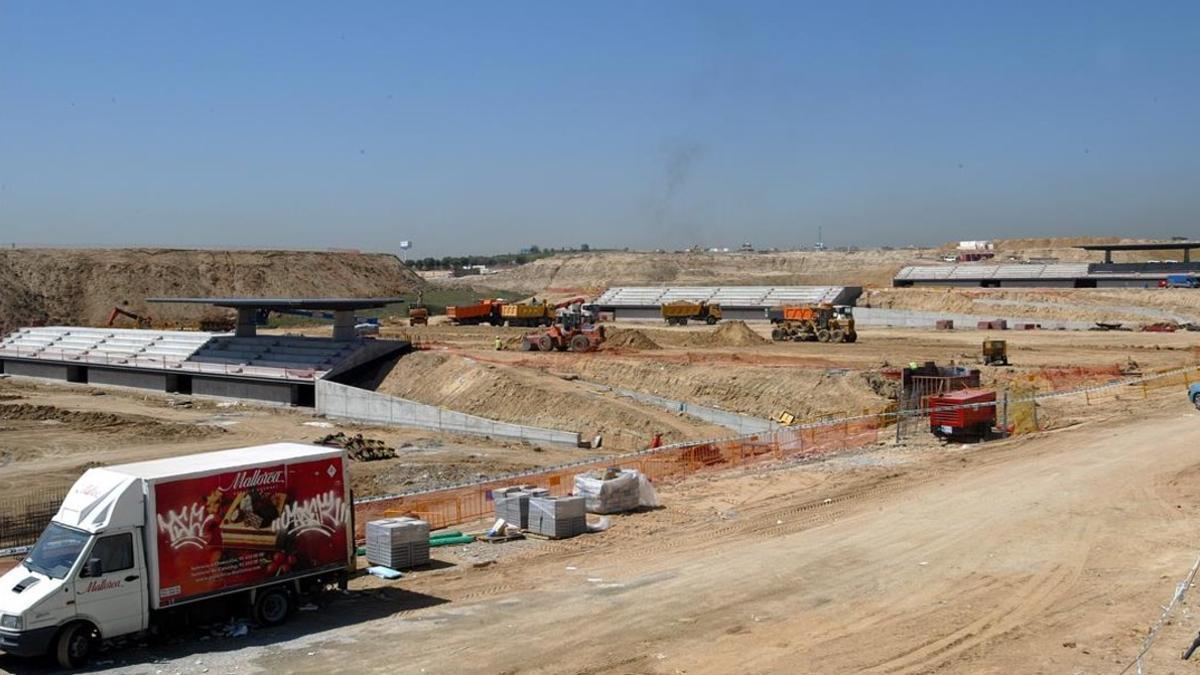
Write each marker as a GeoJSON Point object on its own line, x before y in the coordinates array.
{"type": "Point", "coordinates": [512, 503]}
{"type": "Point", "coordinates": [398, 543]}
{"type": "Point", "coordinates": [557, 517]}
{"type": "Point", "coordinates": [610, 490]}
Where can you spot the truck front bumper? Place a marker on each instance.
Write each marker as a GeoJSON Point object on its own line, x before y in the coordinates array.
{"type": "Point", "coordinates": [27, 642]}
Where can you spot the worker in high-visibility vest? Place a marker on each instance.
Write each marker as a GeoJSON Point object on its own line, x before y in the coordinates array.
{"type": "Point", "coordinates": [499, 343]}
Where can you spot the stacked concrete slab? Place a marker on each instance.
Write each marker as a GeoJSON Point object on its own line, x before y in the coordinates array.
{"type": "Point", "coordinates": [512, 503]}
{"type": "Point", "coordinates": [557, 517]}
{"type": "Point", "coordinates": [398, 543]}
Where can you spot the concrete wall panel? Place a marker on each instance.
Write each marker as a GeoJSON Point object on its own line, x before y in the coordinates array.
{"type": "Point", "coordinates": [342, 401]}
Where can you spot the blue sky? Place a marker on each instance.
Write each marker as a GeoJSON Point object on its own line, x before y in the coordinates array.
{"type": "Point", "coordinates": [483, 127]}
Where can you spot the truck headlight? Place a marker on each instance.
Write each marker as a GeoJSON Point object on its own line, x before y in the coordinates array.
{"type": "Point", "coordinates": [11, 622]}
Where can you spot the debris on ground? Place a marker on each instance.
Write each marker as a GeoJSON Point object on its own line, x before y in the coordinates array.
{"type": "Point", "coordinates": [359, 448]}
{"type": "Point", "coordinates": [629, 339]}
{"type": "Point", "coordinates": [384, 572]}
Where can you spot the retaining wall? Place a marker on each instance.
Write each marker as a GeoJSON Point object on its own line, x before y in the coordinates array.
{"type": "Point", "coordinates": [346, 402]}
{"type": "Point", "coordinates": [743, 424]}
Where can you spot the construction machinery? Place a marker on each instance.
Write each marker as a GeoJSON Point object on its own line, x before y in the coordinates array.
{"type": "Point", "coordinates": [573, 329]}
{"type": "Point", "coordinates": [995, 353]}
{"type": "Point", "coordinates": [142, 321]}
{"type": "Point", "coordinates": [813, 323]}
{"type": "Point", "coordinates": [678, 313]}
{"type": "Point", "coordinates": [527, 313]}
{"type": "Point", "coordinates": [964, 414]}
{"type": "Point", "coordinates": [418, 316]}
{"type": "Point", "coordinates": [484, 311]}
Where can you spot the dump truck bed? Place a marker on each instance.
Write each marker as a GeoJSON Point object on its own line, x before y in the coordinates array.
{"type": "Point", "coordinates": [523, 311]}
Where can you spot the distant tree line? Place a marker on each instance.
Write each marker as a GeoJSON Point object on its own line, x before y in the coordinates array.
{"type": "Point", "coordinates": [526, 255]}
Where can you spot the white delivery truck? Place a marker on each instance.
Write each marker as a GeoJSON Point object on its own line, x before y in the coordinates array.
{"type": "Point", "coordinates": [135, 544]}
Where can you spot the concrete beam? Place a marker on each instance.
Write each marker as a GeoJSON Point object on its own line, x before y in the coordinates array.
{"type": "Point", "coordinates": [343, 325]}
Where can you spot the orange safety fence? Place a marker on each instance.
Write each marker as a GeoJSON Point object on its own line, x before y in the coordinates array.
{"type": "Point", "coordinates": [469, 503]}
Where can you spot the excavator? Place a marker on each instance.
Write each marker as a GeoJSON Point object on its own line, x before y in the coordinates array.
{"type": "Point", "coordinates": [142, 321]}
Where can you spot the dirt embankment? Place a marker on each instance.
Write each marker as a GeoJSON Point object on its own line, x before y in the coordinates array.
{"type": "Point", "coordinates": [593, 272]}
{"type": "Point", "coordinates": [528, 396]}
{"type": "Point", "coordinates": [629, 338]}
{"type": "Point", "coordinates": [596, 271]}
{"type": "Point", "coordinates": [102, 422]}
{"type": "Point", "coordinates": [80, 286]}
{"type": "Point", "coordinates": [1129, 305]}
{"type": "Point", "coordinates": [758, 391]}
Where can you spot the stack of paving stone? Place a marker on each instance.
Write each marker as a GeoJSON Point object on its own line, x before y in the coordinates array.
{"type": "Point", "coordinates": [557, 517]}
{"type": "Point", "coordinates": [398, 543]}
{"type": "Point", "coordinates": [512, 503]}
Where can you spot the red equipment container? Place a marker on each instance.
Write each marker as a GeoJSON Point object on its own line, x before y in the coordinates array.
{"type": "Point", "coordinates": [948, 418]}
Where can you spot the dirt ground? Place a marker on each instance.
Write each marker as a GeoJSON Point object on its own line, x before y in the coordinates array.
{"type": "Point", "coordinates": [1050, 553]}
{"type": "Point", "coordinates": [50, 434]}
{"type": "Point", "coordinates": [80, 286]}
{"type": "Point", "coordinates": [567, 273]}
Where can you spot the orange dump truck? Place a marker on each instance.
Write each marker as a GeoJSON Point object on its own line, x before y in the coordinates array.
{"type": "Point", "coordinates": [812, 323]}
{"type": "Point", "coordinates": [527, 314]}
{"type": "Point", "coordinates": [485, 311]}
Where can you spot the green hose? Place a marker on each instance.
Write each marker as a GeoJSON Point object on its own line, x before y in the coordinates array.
{"type": "Point", "coordinates": [443, 535]}
{"type": "Point", "coordinates": [451, 541]}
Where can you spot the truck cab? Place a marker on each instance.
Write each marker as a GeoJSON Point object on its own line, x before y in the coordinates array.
{"type": "Point", "coordinates": [84, 579]}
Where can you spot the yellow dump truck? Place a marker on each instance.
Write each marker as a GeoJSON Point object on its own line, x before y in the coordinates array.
{"type": "Point", "coordinates": [527, 314]}
{"type": "Point", "coordinates": [679, 313]}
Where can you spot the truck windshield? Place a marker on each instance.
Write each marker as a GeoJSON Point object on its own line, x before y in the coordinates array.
{"type": "Point", "coordinates": [56, 551]}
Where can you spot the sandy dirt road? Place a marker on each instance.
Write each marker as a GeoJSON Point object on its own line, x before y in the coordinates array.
{"type": "Point", "coordinates": [1045, 556]}
{"type": "Point", "coordinates": [1048, 554]}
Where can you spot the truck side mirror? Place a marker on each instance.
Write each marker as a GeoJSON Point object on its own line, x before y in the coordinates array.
{"type": "Point", "coordinates": [94, 568]}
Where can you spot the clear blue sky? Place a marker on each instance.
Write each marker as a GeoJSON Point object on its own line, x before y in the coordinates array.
{"type": "Point", "coordinates": [483, 127]}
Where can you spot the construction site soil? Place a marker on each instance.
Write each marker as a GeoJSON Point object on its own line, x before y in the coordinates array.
{"type": "Point", "coordinates": [49, 434]}
{"type": "Point", "coordinates": [1048, 553]}
{"type": "Point", "coordinates": [567, 273]}
{"type": "Point", "coordinates": [81, 286]}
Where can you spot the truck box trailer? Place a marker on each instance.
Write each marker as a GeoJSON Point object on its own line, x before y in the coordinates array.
{"type": "Point", "coordinates": [134, 543]}
{"type": "Point", "coordinates": [485, 311]}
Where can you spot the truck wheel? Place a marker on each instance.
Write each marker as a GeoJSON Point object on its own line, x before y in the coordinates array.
{"type": "Point", "coordinates": [852, 336]}
{"type": "Point", "coordinates": [837, 336]}
{"type": "Point", "coordinates": [75, 645]}
{"type": "Point", "coordinates": [580, 343]}
{"type": "Point", "coordinates": [778, 334]}
{"type": "Point", "coordinates": [712, 321]}
{"type": "Point", "coordinates": [1196, 401]}
{"type": "Point", "coordinates": [822, 335]}
{"type": "Point", "coordinates": [272, 607]}
{"type": "Point", "coordinates": [545, 343]}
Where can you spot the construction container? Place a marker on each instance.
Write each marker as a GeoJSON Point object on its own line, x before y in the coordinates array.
{"type": "Point", "coordinates": [945, 324]}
